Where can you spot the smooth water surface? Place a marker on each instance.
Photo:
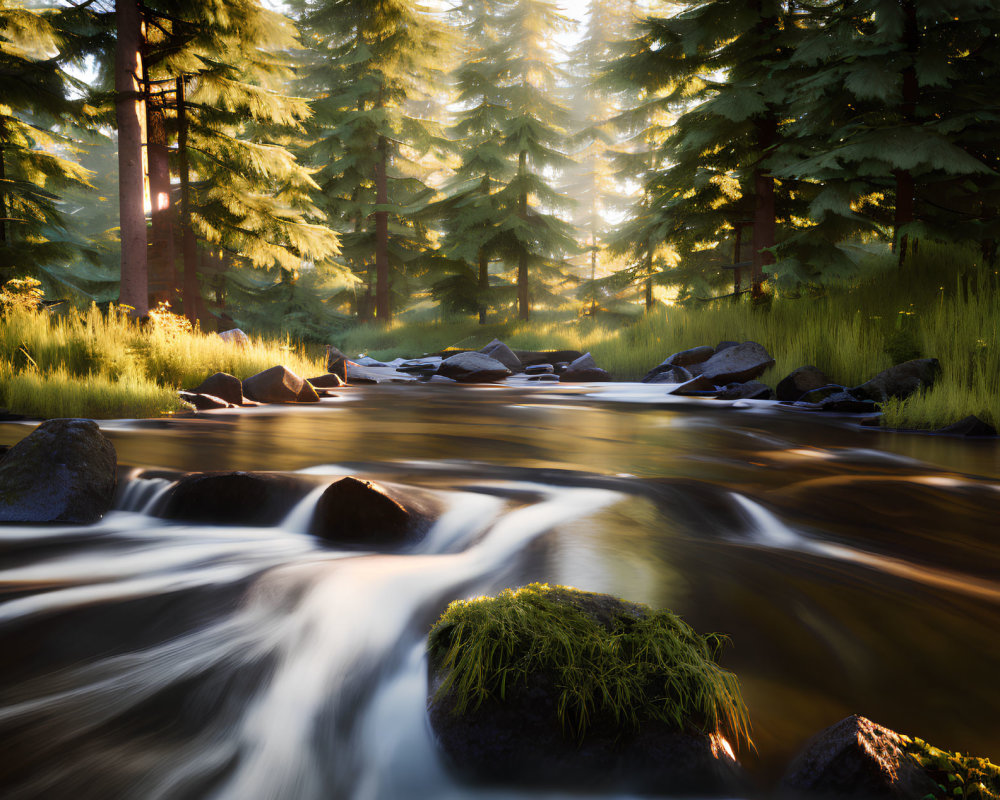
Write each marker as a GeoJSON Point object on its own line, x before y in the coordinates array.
{"type": "Point", "coordinates": [855, 571]}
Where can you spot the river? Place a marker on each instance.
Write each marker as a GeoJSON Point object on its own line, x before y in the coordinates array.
{"type": "Point", "coordinates": [853, 570]}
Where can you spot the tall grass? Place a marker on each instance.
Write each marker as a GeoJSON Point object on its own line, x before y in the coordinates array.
{"type": "Point", "coordinates": [103, 365]}
{"type": "Point", "coordinates": [942, 304]}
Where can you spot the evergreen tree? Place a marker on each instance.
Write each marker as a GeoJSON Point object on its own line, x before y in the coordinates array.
{"type": "Point", "coordinates": [532, 236]}
{"type": "Point", "coordinates": [34, 169]}
{"type": "Point", "coordinates": [371, 66]}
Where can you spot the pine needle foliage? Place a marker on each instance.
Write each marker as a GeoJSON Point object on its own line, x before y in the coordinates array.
{"type": "Point", "coordinates": [624, 664]}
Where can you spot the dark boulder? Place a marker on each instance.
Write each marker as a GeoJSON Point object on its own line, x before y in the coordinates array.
{"type": "Point", "coordinates": [334, 357]}
{"type": "Point", "coordinates": [275, 385]}
{"type": "Point", "coordinates": [855, 758]}
{"type": "Point", "coordinates": [307, 394]}
{"type": "Point", "coordinates": [751, 390]}
{"type": "Point", "coordinates": [514, 725]}
{"type": "Point", "coordinates": [553, 357]}
{"type": "Point", "coordinates": [222, 385]}
{"type": "Point", "coordinates": [363, 514]}
{"type": "Point", "coordinates": [539, 369]}
{"type": "Point", "coordinates": [502, 353]}
{"type": "Point", "coordinates": [204, 402]}
{"type": "Point", "coordinates": [584, 370]}
{"type": "Point", "coordinates": [970, 426]}
{"type": "Point", "coordinates": [669, 375]}
{"type": "Point", "coordinates": [799, 381]}
{"type": "Point", "coordinates": [847, 403]}
{"type": "Point", "coordinates": [685, 358]}
{"type": "Point", "coordinates": [233, 498]}
{"type": "Point", "coordinates": [901, 380]}
{"type": "Point", "coordinates": [473, 367]}
{"type": "Point", "coordinates": [65, 470]}
{"type": "Point", "coordinates": [724, 345]}
{"type": "Point", "coordinates": [821, 393]}
{"type": "Point", "coordinates": [329, 381]}
{"type": "Point", "coordinates": [737, 364]}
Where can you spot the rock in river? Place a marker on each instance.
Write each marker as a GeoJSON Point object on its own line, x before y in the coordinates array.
{"type": "Point", "coordinates": [584, 370]}
{"type": "Point", "coordinates": [507, 702]}
{"type": "Point", "coordinates": [275, 385]}
{"type": "Point", "coordinates": [222, 385]}
{"type": "Point", "coordinates": [473, 367]}
{"type": "Point", "coordinates": [857, 759]}
{"type": "Point", "coordinates": [360, 513]}
{"type": "Point", "coordinates": [233, 498]}
{"type": "Point", "coordinates": [685, 358]}
{"type": "Point", "coordinates": [65, 470]}
{"type": "Point", "coordinates": [736, 364]}
{"type": "Point", "coordinates": [901, 380]}
{"type": "Point", "coordinates": [799, 381]}
{"type": "Point", "coordinates": [502, 353]}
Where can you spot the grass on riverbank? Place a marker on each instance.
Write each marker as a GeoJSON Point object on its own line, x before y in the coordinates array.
{"type": "Point", "coordinates": [940, 305]}
{"type": "Point", "coordinates": [105, 365]}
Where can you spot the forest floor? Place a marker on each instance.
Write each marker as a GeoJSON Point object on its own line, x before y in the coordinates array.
{"type": "Point", "coordinates": [941, 305]}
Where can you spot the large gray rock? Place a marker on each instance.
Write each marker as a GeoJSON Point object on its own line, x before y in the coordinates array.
{"type": "Point", "coordinates": [799, 381]}
{"type": "Point", "coordinates": [235, 336]}
{"type": "Point", "coordinates": [502, 353]}
{"type": "Point", "coordinates": [222, 385]}
{"type": "Point", "coordinates": [857, 759]}
{"type": "Point", "coordinates": [359, 513]}
{"type": "Point", "coordinates": [901, 380]}
{"type": "Point", "coordinates": [275, 385]}
{"type": "Point", "coordinates": [553, 357]}
{"type": "Point", "coordinates": [65, 470]}
{"type": "Point", "coordinates": [515, 736]}
{"type": "Point", "coordinates": [584, 370]}
{"type": "Point", "coordinates": [473, 367]}
{"type": "Point", "coordinates": [233, 498]}
{"type": "Point", "coordinates": [737, 364]}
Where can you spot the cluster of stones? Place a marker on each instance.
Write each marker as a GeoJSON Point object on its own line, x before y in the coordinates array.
{"type": "Point", "coordinates": [275, 385]}
{"type": "Point", "coordinates": [66, 471]}
{"type": "Point", "coordinates": [728, 372]}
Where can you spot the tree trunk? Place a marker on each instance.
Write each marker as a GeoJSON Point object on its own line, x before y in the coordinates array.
{"type": "Point", "coordinates": [131, 180]}
{"type": "Point", "coordinates": [905, 185]}
{"type": "Point", "coordinates": [764, 225]}
{"type": "Point", "coordinates": [189, 248]}
{"type": "Point", "coordinates": [3, 187]}
{"type": "Point", "coordinates": [383, 306]}
{"type": "Point", "coordinates": [163, 277]}
{"type": "Point", "coordinates": [523, 301]}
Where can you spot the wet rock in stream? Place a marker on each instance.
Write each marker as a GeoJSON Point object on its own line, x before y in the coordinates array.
{"type": "Point", "coordinates": [357, 513]}
{"type": "Point", "coordinates": [505, 705]}
{"type": "Point", "coordinates": [233, 498]}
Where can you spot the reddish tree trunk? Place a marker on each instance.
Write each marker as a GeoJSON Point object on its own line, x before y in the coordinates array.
{"type": "Point", "coordinates": [129, 109]}
{"type": "Point", "coordinates": [189, 248]}
{"type": "Point", "coordinates": [163, 277]}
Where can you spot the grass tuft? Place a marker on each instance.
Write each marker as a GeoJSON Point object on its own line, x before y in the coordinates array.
{"type": "Point", "coordinates": [616, 661]}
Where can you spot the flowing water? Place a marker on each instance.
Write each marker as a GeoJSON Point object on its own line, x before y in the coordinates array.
{"type": "Point", "coordinates": [855, 571]}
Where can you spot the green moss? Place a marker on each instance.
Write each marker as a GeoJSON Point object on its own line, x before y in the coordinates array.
{"type": "Point", "coordinates": [963, 777]}
{"type": "Point", "coordinates": [608, 660]}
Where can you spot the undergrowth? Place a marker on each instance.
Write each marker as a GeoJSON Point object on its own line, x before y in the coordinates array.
{"type": "Point", "coordinates": [106, 364]}
{"type": "Point", "coordinates": [648, 665]}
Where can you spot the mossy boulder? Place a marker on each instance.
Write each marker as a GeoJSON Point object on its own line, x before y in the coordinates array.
{"type": "Point", "coordinates": [547, 685]}
{"type": "Point", "coordinates": [65, 470]}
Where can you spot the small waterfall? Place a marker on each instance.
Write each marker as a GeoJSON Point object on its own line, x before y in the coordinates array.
{"type": "Point", "coordinates": [141, 495]}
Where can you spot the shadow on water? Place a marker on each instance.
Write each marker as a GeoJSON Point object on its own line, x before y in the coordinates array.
{"type": "Point", "coordinates": [853, 571]}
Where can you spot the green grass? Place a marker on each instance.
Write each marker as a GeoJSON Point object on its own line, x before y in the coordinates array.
{"type": "Point", "coordinates": [942, 304]}
{"type": "Point", "coordinates": [635, 667]}
{"type": "Point", "coordinates": [105, 365]}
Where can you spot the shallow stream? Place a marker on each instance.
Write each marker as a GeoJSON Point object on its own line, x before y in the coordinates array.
{"type": "Point", "coordinates": [854, 570]}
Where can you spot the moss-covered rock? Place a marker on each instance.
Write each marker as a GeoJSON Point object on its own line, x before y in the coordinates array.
{"type": "Point", "coordinates": [958, 776]}
{"type": "Point", "coordinates": [551, 685]}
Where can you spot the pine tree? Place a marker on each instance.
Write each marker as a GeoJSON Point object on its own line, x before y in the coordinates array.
{"type": "Point", "coordinates": [532, 236]}
{"type": "Point", "coordinates": [371, 65]}
{"type": "Point", "coordinates": [34, 169]}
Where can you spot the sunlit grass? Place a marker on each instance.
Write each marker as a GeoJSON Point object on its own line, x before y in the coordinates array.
{"type": "Point", "coordinates": [104, 365]}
